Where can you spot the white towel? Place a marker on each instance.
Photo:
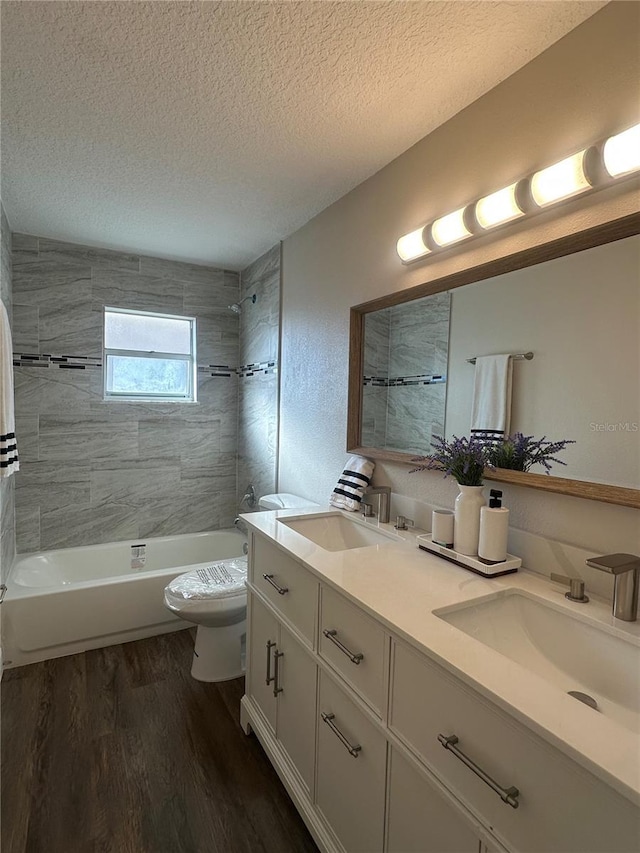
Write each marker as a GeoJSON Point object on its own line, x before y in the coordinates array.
{"type": "Point", "coordinates": [491, 407]}
{"type": "Point", "coordinates": [353, 481]}
{"type": "Point", "coordinates": [8, 447]}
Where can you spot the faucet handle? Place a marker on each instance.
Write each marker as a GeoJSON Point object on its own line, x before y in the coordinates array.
{"type": "Point", "coordinates": [576, 587]}
{"type": "Point", "coordinates": [403, 523]}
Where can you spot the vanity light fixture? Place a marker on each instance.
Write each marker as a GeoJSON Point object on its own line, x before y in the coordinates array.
{"type": "Point", "coordinates": [501, 206]}
{"type": "Point", "coordinates": [621, 153]}
{"type": "Point", "coordinates": [562, 180]}
{"type": "Point", "coordinates": [450, 228]}
{"type": "Point", "coordinates": [588, 169]}
{"type": "Point", "coordinates": [412, 246]}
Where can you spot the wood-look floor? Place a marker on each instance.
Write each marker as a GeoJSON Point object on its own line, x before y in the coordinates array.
{"type": "Point", "coordinates": [119, 750]}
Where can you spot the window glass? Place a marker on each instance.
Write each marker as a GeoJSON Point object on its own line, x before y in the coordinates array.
{"type": "Point", "coordinates": [147, 333]}
{"type": "Point", "coordinates": [148, 356]}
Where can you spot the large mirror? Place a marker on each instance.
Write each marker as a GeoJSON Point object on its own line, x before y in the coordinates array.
{"type": "Point", "coordinates": [574, 304]}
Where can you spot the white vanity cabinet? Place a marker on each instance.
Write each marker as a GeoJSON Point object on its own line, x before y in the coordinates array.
{"type": "Point", "coordinates": [282, 679]}
{"type": "Point", "coordinates": [385, 751]}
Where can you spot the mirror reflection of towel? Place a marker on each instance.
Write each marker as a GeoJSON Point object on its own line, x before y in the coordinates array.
{"type": "Point", "coordinates": [491, 407]}
{"type": "Point", "coordinates": [352, 482]}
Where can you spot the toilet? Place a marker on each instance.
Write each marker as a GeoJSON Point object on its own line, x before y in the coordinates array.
{"type": "Point", "coordinates": [214, 597]}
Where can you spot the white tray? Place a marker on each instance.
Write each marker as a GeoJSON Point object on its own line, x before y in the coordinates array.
{"type": "Point", "coordinates": [474, 564]}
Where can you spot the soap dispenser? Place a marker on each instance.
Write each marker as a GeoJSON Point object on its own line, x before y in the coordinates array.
{"type": "Point", "coordinates": [494, 530]}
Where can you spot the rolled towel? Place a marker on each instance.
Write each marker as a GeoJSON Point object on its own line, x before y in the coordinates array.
{"type": "Point", "coordinates": [353, 481]}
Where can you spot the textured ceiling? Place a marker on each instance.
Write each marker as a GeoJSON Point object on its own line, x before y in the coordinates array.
{"type": "Point", "coordinates": [208, 131]}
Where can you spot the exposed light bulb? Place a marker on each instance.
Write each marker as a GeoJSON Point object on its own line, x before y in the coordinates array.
{"type": "Point", "coordinates": [559, 181]}
{"type": "Point", "coordinates": [498, 207]}
{"type": "Point", "coordinates": [412, 246]}
{"type": "Point", "coordinates": [621, 153]}
{"type": "Point", "coordinates": [450, 228]}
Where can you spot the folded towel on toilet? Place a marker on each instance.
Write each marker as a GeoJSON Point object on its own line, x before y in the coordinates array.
{"type": "Point", "coordinates": [352, 482]}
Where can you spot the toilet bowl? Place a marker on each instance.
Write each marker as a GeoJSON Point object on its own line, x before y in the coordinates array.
{"type": "Point", "coordinates": [214, 596]}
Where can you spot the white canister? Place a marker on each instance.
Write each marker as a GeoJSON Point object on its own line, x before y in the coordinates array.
{"type": "Point", "coordinates": [442, 527]}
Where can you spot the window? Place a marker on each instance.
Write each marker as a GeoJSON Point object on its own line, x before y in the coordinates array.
{"type": "Point", "coordinates": [148, 356]}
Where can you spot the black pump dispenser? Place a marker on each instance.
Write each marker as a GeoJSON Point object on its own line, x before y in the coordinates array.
{"type": "Point", "coordinates": [495, 499]}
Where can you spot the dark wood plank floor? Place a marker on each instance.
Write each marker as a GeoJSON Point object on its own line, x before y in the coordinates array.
{"type": "Point", "coordinates": [119, 750]}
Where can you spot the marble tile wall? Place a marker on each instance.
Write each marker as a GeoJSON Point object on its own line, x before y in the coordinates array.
{"type": "Point", "coordinates": [410, 340]}
{"type": "Point", "coordinates": [7, 484]}
{"type": "Point", "coordinates": [97, 471]}
{"type": "Point", "coordinates": [258, 386]}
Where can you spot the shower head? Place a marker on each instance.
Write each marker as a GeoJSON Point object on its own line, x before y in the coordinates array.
{"type": "Point", "coordinates": [237, 306]}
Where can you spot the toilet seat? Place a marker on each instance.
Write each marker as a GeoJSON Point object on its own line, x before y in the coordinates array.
{"type": "Point", "coordinates": [210, 591]}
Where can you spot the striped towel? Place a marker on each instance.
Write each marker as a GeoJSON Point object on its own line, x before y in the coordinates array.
{"type": "Point", "coordinates": [353, 481]}
{"type": "Point", "coordinates": [8, 448]}
{"type": "Point", "coordinates": [491, 406]}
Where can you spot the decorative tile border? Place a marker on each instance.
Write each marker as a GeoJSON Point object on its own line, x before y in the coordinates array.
{"type": "Point", "coordinates": [82, 362]}
{"type": "Point", "coordinates": [400, 381]}
{"type": "Point", "coordinates": [70, 362]}
{"type": "Point", "coordinates": [257, 368]}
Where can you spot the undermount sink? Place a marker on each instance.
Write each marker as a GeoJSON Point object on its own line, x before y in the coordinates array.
{"type": "Point", "coordinates": [571, 654]}
{"type": "Point", "coordinates": [334, 532]}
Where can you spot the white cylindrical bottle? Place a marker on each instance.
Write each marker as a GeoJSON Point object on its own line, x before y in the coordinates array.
{"type": "Point", "coordinates": [494, 530]}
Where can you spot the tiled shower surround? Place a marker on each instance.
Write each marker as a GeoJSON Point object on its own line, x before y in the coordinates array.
{"type": "Point", "coordinates": [7, 484]}
{"type": "Point", "coordinates": [405, 367]}
{"type": "Point", "coordinates": [258, 383]}
{"type": "Point", "coordinates": [96, 471]}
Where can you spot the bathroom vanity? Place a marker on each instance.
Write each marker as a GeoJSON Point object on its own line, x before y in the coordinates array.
{"type": "Point", "coordinates": [397, 724]}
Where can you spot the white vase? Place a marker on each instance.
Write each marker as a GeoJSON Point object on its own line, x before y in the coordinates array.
{"type": "Point", "coordinates": [466, 532]}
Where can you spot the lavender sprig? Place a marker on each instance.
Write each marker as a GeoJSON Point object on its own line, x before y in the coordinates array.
{"type": "Point", "coordinates": [520, 452]}
{"type": "Point", "coordinates": [462, 458]}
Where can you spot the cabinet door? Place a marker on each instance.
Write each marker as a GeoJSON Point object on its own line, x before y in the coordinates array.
{"type": "Point", "coordinates": [351, 771]}
{"type": "Point", "coordinates": [420, 819]}
{"type": "Point", "coordinates": [263, 639]}
{"type": "Point", "coordinates": [296, 724]}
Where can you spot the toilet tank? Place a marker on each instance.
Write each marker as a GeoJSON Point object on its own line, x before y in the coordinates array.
{"type": "Point", "coordinates": [284, 500]}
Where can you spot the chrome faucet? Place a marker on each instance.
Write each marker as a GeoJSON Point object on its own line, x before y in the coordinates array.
{"type": "Point", "coordinates": [249, 497]}
{"type": "Point", "coordinates": [626, 571]}
{"type": "Point", "coordinates": [384, 501]}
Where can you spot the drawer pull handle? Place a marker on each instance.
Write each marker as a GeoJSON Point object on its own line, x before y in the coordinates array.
{"type": "Point", "coordinates": [276, 683]}
{"type": "Point", "coordinates": [281, 589]}
{"type": "Point", "coordinates": [507, 795]}
{"type": "Point", "coordinates": [332, 634]}
{"type": "Point", "coordinates": [352, 750]}
{"type": "Point", "coordinates": [270, 677]}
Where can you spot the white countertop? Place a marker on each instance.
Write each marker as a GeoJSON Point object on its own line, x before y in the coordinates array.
{"type": "Point", "coordinates": [401, 586]}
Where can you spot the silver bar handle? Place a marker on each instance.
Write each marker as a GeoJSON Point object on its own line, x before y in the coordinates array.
{"type": "Point", "coordinates": [270, 677]}
{"type": "Point", "coordinates": [332, 634]}
{"type": "Point", "coordinates": [281, 589]}
{"type": "Point", "coordinates": [352, 750]}
{"type": "Point", "coordinates": [507, 795]}
{"type": "Point", "coordinates": [276, 683]}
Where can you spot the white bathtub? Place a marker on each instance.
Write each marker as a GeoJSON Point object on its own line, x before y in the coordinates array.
{"type": "Point", "coordinates": [67, 601]}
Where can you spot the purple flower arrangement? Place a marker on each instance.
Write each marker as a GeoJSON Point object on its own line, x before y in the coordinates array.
{"type": "Point", "coordinates": [519, 452]}
{"type": "Point", "coordinates": [461, 458]}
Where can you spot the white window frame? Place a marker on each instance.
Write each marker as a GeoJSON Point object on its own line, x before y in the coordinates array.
{"type": "Point", "coordinates": [189, 397]}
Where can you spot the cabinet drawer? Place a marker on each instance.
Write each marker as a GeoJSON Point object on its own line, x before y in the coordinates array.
{"type": "Point", "coordinates": [562, 808]}
{"type": "Point", "coordinates": [350, 787]}
{"type": "Point", "coordinates": [355, 645]}
{"type": "Point", "coordinates": [290, 588]}
{"type": "Point", "coordinates": [420, 819]}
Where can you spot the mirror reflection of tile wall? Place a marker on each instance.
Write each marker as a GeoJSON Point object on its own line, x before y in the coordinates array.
{"type": "Point", "coordinates": [405, 364]}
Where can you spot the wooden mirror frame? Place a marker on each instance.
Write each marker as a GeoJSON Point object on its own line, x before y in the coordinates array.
{"type": "Point", "coordinates": [618, 229]}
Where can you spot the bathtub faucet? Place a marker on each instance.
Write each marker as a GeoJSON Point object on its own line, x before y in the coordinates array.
{"type": "Point", "coordinates": [239, 524]}
{"type": "Point", "coordinates": [249, 497]}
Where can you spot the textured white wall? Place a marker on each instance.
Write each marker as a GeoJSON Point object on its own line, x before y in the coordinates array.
{"type": "Point", "coordinates": [582, 88]}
